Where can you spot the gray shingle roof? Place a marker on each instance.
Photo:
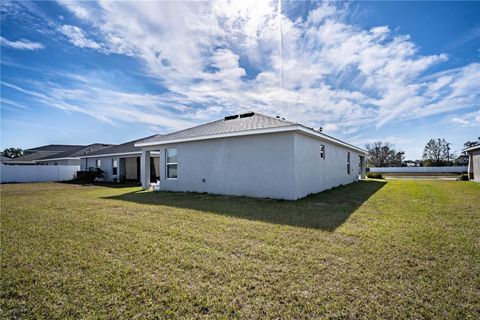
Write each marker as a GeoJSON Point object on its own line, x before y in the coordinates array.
{"type": "Point", "coordinates": [126, 147]}
{"type": "Point", "coordinates": [79, 151]}
{"type": "Point", "coordinates": [55, 148]}
{"type": "Point", "coordinates": [31, 157]}
{"type": "Point", "coordinates": [243, 122]}
{"type": "Point", "coordinates": [56, 151]}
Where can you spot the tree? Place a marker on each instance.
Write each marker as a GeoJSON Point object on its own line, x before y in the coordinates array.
{"type": "Point", "coordinates": [436, 153]}
{"type": "Point", "coordinates": [383, 154]}
{"type": "Point", "coordinates": [469, 144]}
{"type": "Point", "coordinates": [12, 152]}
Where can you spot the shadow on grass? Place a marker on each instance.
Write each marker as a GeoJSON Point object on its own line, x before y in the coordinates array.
{"type": "Point", "coordinates": [326, 210]}
{"type": "Point", "coordinates": [102, 184]}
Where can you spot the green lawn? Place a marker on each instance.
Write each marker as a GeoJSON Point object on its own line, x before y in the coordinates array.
{"type": "Point", "coordinates": [401, 249]}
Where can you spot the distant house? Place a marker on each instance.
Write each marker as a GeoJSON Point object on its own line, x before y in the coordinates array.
{"type": "Point", "coordinates": [120, 162]}
{"type": "Point", "coordinates": [251, 155]}
{"type": "Point", "coordinates": [473, 162]}
{"type": "Point", "coordinates": [55, 154]}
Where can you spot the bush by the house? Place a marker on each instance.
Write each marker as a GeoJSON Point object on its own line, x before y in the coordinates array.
{"type": "Point", "coordinates": [89, 175]}
{"type": "Point", "coordinates": [375, 175]}
{"type": "Point", "coordinates": [463, 177]}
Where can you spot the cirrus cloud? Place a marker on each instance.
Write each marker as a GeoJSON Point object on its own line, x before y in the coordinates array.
{"type": "Point", "coordinates": [317, 69]}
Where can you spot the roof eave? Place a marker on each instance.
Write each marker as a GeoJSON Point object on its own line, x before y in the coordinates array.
{"type": "Point", "coordinates": [471, 148]}
{"type": "Point", "coordinates": [289, 128]}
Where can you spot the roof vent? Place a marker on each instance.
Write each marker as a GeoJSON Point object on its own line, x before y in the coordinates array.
{"type": "Point", "coordinates": [231, 117]}
{"type": "Point", "coordinates": [247, 115]}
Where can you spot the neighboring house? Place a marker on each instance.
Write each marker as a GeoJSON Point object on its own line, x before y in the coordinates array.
{"type": "Point", "coordinates": [252, 155]}
{"type": "Point", "coordinates": [473, 162]}
{"type": "Point", "coordinates": [120, 162]}
{"type": "Point", "coordinates": [55, 154]}
{"type": "Point", "coordinates": [2, 159]}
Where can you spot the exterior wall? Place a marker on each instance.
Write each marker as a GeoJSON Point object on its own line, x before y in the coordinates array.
{"type": "Point", "coordinates": [106, 165]}
{"type": "Point", "coordinates": [476, 165]}
{"type": "Point", "coordinates": [314, 174]}
{"type": "Point", "coordinates": [260, 166]}
{"type": "Point", "coordinates": [66, 162]}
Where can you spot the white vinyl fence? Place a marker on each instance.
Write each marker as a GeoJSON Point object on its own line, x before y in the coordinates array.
{"type": "Point", "coordinates": [455, 169]}
{"type": "Point", "coordinates": [33, 173]}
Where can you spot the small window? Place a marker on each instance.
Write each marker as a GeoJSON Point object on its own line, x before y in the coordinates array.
{"type": "Point", "coordinates": [171, 163]}
{"type": "Point", "coordinates": [98, 163]}
{"type": "Point", "coordinates": [322, 151]}
{"type": "Point", "coordinates": [56, 163]}
{"type": "Point", "coordinates": [114, 167]}
{"type": "Point", "coordinates": [348, 162]}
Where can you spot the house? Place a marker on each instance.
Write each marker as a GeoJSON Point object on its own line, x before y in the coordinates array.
{"type": "Point", "coordinates": [473, 162]}
{"type": "Point", "coordinates": [55, 154]}
{"type": "Point", "coordinates": [120, 162]}
{"type": "Point", "coordinates": [254, 155]}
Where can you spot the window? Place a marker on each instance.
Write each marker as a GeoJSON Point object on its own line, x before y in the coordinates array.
{"type": "Point", "coordinates": [114, 167]}
{"type": "Point", "coordinates": [98, 163]}
{"type": "Point", "coordinates": [55, 163]}
{"type": "Point", "coordinates": [322, 151]}
{"type": "Point", "coordinates": [171, 163]}
{"type": "Point", "coordinates": [348, 162]}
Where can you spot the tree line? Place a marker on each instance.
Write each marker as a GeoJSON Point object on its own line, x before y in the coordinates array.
{"type": "Point", "coordinates": [436, 153]}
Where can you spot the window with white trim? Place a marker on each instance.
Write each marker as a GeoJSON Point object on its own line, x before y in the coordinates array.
{"type": "Point", "coordinates": [322, 151]}
{"type": "Point", "coordinates": [114, 167]}
{"type": "Point", "coordinates": [171, 163]}
{"type": "Point", "coordinates": [348, 162]}
{"type": "Point", "coordinates": [98, 163]}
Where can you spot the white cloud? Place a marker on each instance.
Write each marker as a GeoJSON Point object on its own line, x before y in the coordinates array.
{"type": "Point", "coordinates": [99, 100]}
{"type": "Point", "coordinates": [21, 44]}
{"type": "Point", "coordinates": [471, 119]}
{"type": "Point", "coordinates": [320, 70]}
{"type": "Point", "coordinates": [77, 37]}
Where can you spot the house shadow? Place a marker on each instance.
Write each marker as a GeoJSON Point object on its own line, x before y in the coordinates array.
{"type": "Point", "coordinates": [326, 210]}
{"type": "Point", "coordinates": [103, 184]}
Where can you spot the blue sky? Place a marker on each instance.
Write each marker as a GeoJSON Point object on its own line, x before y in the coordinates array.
{"type": "Point", "coordinates": [84, 72]}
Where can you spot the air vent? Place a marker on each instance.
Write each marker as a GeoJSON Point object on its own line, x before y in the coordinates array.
{"type": "Point", "coordinates": [231, 117]}
{"type": "Point", "coordinates": [247, 115]}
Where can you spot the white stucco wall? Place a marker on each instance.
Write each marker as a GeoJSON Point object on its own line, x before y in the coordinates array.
{"type": "Point", "coordinates": [260, 166]}
{"type": "Point", "coordinates": [66, 162]}
{"type": "Point", "coordinates": [106, 166]}
{"type": "Point", "coordinates": [283, 165]}
{"type": "Point", "coordinates": [476, 165]}
{"type": "Point", "coordinates": [314, 174]}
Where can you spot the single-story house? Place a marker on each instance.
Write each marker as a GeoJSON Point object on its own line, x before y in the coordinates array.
{"type": "Point", "coordinates": [120, 162]}
{"type": "Point", "coordinates": [473, 162]}
{"type": "Point", "coordinates": [252, 155]}
{"type": "Point", "coordinates": [56, 154]}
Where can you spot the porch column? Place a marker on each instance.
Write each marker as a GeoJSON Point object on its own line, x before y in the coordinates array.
{"type": "Point", "coordinates": [145, 169]}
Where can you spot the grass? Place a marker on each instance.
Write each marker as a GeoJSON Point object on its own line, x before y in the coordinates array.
{"type": "Point", "coordinates": [400, 249]}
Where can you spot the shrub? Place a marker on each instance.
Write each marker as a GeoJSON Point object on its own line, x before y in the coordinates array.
{"type": "Point", "coordinates": [89, 176]}
{"type": "Point", "coordinates": [375, 175]}
{"type": "Point", "coordinates": [463, 177]}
